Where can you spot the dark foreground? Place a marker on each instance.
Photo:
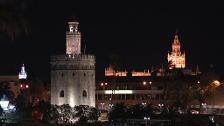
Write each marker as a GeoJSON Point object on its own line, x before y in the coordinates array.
{"type": "Point", "coordinates": [177, 120]}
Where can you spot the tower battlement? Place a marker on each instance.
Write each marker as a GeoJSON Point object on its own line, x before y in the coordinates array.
{"type": "Point", "coordinates": [73, 57]}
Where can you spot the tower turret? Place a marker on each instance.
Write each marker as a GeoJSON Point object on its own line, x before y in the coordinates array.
{"type": "Point", "coordinates": [73, 39]}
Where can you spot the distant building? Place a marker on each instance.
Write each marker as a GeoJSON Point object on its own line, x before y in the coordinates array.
{"type": "Point", "coordinates": [128, 90]}
{"type": "Point", "coordinates": [15, 81]}
{"type": "Point", "coordinates": [141, 74]}
{"type": "Point", "coordinates": [73, 74]}
{"type": "Point", "coordinates": [176, 59]}
{"type": "Point", "coordinates": [22, 73]}
{"type": "Point", "coordinates": [23, 81]}
{"type": "Point", "coordinates": [144, 87]}
{"type": "Point", "coordinates": [111, 72]}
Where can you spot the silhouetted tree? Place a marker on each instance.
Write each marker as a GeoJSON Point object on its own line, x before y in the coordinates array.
{"type": "Point", "coordinates": [205, 89]}
{"type": "Point", "coordinates": [1, 111]}
{"type": "Point", "coordinates": [179, 89]}
{"type": "Point", "coordinates": [14, 18]}
{"type": "Point", "coordinates": [118, 111]}
{"type": "Point", "coordinates": [21, 102]}
{"type": "Point", "coordinates": [51, 115]}
{"type": "Point", "coordinates": [37, 86]}
{"type": "Point", "coordinates": [138, 111]}
{"type": "Point", "coordinates": [5, 91]}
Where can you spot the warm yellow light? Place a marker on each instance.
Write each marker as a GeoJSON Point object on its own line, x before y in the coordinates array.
{"type": "Point", "coordinates": [216, 83]}
{"type": "Point", "coordinates": [118, 91]}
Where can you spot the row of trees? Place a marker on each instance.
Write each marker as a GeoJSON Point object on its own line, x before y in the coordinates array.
{"type": "Point", "coordinates": [66, 114]}
{"type": "Point", "coordinates": [184, 90]}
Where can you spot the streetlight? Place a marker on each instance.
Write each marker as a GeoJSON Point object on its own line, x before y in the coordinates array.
{"type": "Point", "coordinates": [143, 103]}
{"type": "Point", "coordinates": [215, 84]}
{"type": "Point", "coordinates": [103, 84]}
{"type": "Point", "coordinates": [146, 120]}
{"type": "Point", "coordinates": [145, 83]}
{"type": "Point", "coordinates": [102, 105]}
{"type": "Point", "coordinates": [160, 107]}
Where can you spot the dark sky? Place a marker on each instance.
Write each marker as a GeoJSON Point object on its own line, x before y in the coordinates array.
{"type": "Point", "coordinates": [141, 33]}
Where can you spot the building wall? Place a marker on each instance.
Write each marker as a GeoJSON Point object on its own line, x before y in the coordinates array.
{"type": "Point", "coordinates": [74, 75]}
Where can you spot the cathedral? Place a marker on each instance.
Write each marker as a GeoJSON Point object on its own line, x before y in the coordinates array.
{"type": "Point", "coordinates": [176, 58]}
{"type": "Point", "coordinates": [73, 73]}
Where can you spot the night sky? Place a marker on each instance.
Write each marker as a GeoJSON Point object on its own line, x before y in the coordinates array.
{"type": "Point", "coordinates": [141, 33]}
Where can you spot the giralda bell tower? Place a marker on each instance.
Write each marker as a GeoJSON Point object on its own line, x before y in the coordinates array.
{"type": "Point", "coordinates": [176, 59]}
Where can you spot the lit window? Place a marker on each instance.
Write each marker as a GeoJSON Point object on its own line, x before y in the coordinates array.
{"type": "Point", "coordinates": [62, 93]}
{"type": "Point", "coordinates": [71, 29]}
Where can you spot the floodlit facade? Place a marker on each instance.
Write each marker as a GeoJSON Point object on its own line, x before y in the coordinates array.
{"type": "Point", "coordinates": [22, 73]}
{"type": "Point", "coordinates": [73, 74]}
{"type": "Point", "coordinates": [176, 59]}
{"type": "Point", "coordinates": [139, 73]}
{"type": "Point", "coordinates": [111, 72]}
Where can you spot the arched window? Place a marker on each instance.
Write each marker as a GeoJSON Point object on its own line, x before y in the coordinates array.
{"type": "Point", "coordinates": [62, 93]}
{"type": "Point", "coordinates": [84, 93]}
{"type": "Point", "coordinates": [84, 74]}
{"type": "Point", "coordinates": [73, 74]}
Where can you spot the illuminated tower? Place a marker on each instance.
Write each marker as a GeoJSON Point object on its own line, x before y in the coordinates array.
{"type": "Point", "coordinates": [176, 59]}
{"type": "Point", "coordinates": [22, 73]}
{"type": "Point", "coordinates": [23, 78]}
{"type": "Point", "coordinates": [73, 39]}
{"type": "Point", "coordinates": [73, 74]}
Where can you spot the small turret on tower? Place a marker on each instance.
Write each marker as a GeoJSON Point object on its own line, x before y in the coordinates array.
{"type": "Point", "coordinates": [73, 38]}
{"type": "Point", "coordinates": [73, 26]}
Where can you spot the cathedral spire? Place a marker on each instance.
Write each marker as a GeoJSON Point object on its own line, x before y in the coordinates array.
{"type": "Point", "coordinates": [176, 44]}
{"type": "Point", "coordinates": [176, 58]}
{"type": "Point", "coordinates": [22, 73]}
{"type": "Point", "coordinates": [176, 38]}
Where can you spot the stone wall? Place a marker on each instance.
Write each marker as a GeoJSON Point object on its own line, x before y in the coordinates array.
{"type": "Point", "coordinates": [75, 75]}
